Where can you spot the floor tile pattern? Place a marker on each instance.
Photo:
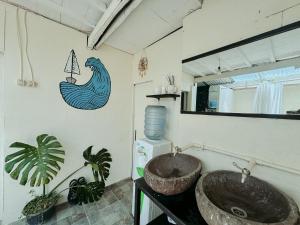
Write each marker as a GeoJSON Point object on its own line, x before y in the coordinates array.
{"type": "Point", "coordinates": [114, 208]}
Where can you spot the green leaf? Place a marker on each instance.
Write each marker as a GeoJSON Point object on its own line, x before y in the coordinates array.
{"type": "Point", "coordinates": [14, 155]}
{"type": "Point", "coordinates": [53, 164]}
{"type": "Point", "coordinates": [90, 192]}
{"type": "Point", "coordinates": [9, 165]}
{"type": "Point", "coordinates": [100, 162]}
{"type": "Point", "coordinates": [56, 151]}
{"type": "Point", "coordinates": [20, 145]}
{"type": "Point", "coordinates": [15, 174]}
{"type": "Point", "coordinates": [33, 178]}
{"type": "Point", "coordinates": [55, 158]}
{"type": "Point", "coordinates": [54, 145]}
{"type": "Point", "coordinates": [40, 138]}
{"type": "Point", "coordinates": [87, 153]}
{"type": "Point", "coordinates": [37, 165]}
{"type": "Point", "coordinates": [25, 173]}
{"type": "Point", "coordinates": [50, 138]}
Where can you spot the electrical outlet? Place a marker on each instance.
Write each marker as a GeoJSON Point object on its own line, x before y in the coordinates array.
{"type": "Point", "coordinates": [21, 82]}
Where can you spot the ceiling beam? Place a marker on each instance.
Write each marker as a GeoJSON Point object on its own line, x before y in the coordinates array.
{"type": "Point", "coordinates": [101, 6]}
{"type": "Point", "coordinates": [260, 68]}
{"type": "Point", "coordinates": [192, 70]}
{"type": "Point", "coordinates": [67, 12]}
{"type": "Point", "coordinates": [117, 23]}
{"type": "Point", "coordinates": [244, 56]}
{"type": "Point", "coordinates": [44, 16]}
{"type": "Point", "coordinates": [208, 67]}
{"type": "Point", "coordinates": [223, 63]}
{"type": "Point", "coordinates": [110, 20]}
{"type": "Point", "coordinates": [272, 52]}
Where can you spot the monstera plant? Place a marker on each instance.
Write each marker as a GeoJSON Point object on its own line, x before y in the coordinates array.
{"type": "Point", "coordinates": [38, 165]}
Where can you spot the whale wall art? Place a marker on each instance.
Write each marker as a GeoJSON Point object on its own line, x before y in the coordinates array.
{"type": "Point", "coordinates": [89, 96]}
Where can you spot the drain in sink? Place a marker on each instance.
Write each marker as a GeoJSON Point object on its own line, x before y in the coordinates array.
{"type": "Point", "coordinates": [239, 212]}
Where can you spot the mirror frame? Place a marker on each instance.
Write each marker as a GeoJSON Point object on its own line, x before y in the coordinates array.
{"type": "Point", "coordinates": [255, 38]}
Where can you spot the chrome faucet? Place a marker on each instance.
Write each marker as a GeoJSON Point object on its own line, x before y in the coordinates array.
{"type": "Point", "coordinates": [245, 171]}
{"type": "Point", "coordinates": [176, 150]}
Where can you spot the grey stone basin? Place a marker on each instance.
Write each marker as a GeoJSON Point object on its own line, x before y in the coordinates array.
{"type": "Point", "coordinates": [223, 199]}
{"type": "Point", "coordinates": [169, 175]}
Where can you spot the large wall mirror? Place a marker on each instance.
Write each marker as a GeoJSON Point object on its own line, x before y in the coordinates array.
{"type": "Point", "coordinates": [256, 77]}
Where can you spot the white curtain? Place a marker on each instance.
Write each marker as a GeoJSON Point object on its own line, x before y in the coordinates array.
{"type": "Point", "coordinates": [225, 99]}
{"type": "Point", "coordinates": [194, 98]}
{"type": "Point", "coordinates": [268, 98]}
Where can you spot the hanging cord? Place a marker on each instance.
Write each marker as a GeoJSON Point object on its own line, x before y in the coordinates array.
{"type": "Point", "coordinates": [26, 47]}
{"type": "Point", "coordinates": [20, 44]}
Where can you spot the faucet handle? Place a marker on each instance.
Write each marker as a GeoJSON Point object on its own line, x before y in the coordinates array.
{"type": "Point", "coordinates": [244, 170]}
{"type": "Point", "coordinates": [177, 149]}
{"type": "Point", "coordinates": [237, 166]}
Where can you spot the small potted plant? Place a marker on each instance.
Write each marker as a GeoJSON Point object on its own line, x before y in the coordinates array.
{"type": "Point", "coordinates": [171, 88]}
{"type": "Point", "coordinates": [38, 165]}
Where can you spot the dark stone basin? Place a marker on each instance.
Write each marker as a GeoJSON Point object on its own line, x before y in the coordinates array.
{"type": "Point", "coordinates": [223, 199]}
{"type": "Point", "coordinates": [170, 175]}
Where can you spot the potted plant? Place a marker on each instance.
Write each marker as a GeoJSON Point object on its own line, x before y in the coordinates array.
{"type": "Point", "coordinates": [38, 165]}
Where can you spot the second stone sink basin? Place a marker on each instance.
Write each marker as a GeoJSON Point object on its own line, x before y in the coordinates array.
{"type": "Point", "coordinates": [170, 175]}
{"type": "Point", "coordinates": [223, 199]}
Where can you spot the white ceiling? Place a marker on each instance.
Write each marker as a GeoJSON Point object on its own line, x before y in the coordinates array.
{"type": "Point", "coordinates": [82, 15]}
{"type": "Point", "coordinates": [150, 21]}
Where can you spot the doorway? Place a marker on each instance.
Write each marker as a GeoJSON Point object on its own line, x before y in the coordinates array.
{"type": "Point", "coordinates": [140, 103]}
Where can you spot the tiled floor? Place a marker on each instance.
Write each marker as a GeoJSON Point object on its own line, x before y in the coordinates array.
{"type": "Point", "coordinates": [114, 208]}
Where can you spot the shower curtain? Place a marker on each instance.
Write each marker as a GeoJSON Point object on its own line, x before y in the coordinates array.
{"type": "Point", "coordinates": [225, 99]}
{"type": "Point", "coordinates": [268, 98]}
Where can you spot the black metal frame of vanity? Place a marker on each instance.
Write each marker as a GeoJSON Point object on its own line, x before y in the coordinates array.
{"type": "Point", "coordinates": [181, 208]}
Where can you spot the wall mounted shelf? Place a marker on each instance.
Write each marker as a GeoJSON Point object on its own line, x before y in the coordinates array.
{"type": "Point", "coordinates": [158, 97]}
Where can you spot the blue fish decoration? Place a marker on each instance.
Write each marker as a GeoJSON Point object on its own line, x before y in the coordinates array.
{"type": "Point", "coordinates": [92, 95]}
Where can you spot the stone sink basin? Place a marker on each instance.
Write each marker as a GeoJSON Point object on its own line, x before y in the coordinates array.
{"type": "Point", "coordinates": [170, 175]}
{"type": "Point", "coordinates": [223, 199]}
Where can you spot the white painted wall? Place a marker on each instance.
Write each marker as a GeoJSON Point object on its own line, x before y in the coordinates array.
{"type": "Point", "coordinates": [1, 134]}
{"type": "Point", "coordinates": [163, 58]}
{"type": "Point", "coordinates": [291, 100]}
{"type": "Point", "coordinates": [2, 27]}
{"type": "Point", "coordinates": [222, 22]}
{"type": "Point", "coordinates": [32, 111]}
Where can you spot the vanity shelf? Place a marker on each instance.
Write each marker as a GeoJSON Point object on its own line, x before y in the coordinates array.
{"type": "Point", "coordinates": [158, 97]}
{"type": "Point", "coordinates": [181, 208]}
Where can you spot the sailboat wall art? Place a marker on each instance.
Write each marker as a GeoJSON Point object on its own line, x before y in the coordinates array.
{"type": "Point", "coordinates": [72, 67]}
{"type": "Point", "coordinates": [89, 96]}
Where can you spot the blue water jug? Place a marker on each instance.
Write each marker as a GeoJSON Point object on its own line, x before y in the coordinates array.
{"type": "Point", "coordinates": [155, 122]}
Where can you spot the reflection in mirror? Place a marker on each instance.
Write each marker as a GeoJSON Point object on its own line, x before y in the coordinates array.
{"type": "Point", "coordinates": [262, 77]}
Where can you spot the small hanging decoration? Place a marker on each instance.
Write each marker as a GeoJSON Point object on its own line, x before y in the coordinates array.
{"type": "Point", "coordinates": [143, 64]}
{"type": "Point", "coordinates": [92, 95]}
